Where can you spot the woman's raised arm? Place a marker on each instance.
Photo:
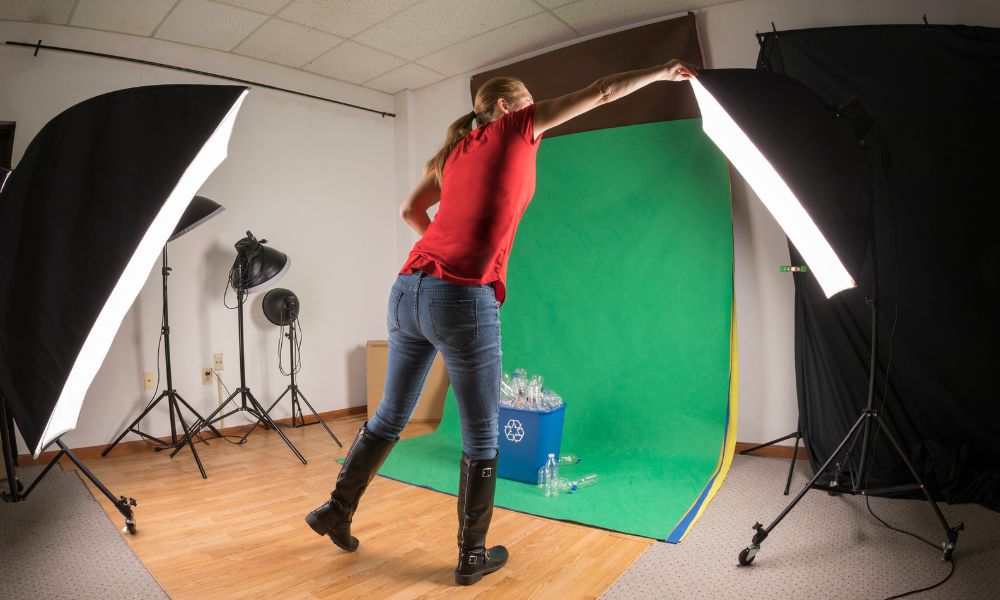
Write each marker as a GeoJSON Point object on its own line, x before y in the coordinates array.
{"type": "Point", "coordinates": [554, 112]}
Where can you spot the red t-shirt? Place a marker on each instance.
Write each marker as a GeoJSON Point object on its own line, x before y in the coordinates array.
{"type": "Point", "coordinates": [488, 181]}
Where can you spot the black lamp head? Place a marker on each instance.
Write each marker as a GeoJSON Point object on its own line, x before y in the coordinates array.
{"type": "Point", "coordinates": [198, 211]}
{"type": "Point", "coordinates": [257, 266]}
{"type": "Point", "coordinates": [281, 306]}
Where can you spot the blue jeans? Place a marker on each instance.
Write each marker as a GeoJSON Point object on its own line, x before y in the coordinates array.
{"type": "Point", "coordinates": [427, 315]}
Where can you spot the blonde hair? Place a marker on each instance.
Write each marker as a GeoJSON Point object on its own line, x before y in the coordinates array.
{"type": "Point", "coordinates": [484, 111]}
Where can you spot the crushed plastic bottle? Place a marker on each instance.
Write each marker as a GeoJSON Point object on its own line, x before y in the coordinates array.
{"type": "Point", "coordinates": [520, 392]}
{"type": "Point", "coordinates": [569, 459]}
{"type": "Point", "coordinates": [572, 485]}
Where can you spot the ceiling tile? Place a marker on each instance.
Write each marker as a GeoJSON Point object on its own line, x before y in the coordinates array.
{"type": "Point", "coordinates": [208, 24]}
{"type": "Point", "coordinates": [343, 17]}
{"type": "Point", "coordinates": [354, 63]}
{"type": "Point", "coordinates": [410, 76]}
{"type": "Point", "coordinates": [517, 38]}
{"type": "Point", "coordinates": [138, 17]}
{"type": "Point", "coordinates": [436, 24]}
{"type": "Point", "coordinates": [286, 43]}
{"type": "Point", "coordinates": [36, 11]}
{"type": "Point", "coordinates": [591, 16]}
{"type": "Point", "coordinates": [265, 6]}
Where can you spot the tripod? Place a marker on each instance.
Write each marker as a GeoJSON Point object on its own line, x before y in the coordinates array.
{"type": "Point", "coordinates": [173, 398]}
{"type": "Point", "coordinates": [298, 420]}
{"type": "Point", "coordinates": [797, 434]}
{"type": "Point", "coordinates": [865, 428]}
{"type": "Point", "coordinates": [248, 403]}
{"type": "Point", "coordinates": [17, 492]}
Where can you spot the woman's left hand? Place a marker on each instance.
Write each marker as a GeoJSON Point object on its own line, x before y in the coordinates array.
{"type": "Point", "coordinates": [678, 70]}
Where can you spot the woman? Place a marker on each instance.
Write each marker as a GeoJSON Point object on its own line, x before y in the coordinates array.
{"type": "Point", "coordinates": [448, 295]}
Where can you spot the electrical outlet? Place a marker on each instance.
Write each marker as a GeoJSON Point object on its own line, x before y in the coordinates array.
{"type": "Point", "coordinates": [148, 380]}
{"type": "Point", "coordinates": [206, 376]}
{"type": "Point", "coordinates": [218, 361]}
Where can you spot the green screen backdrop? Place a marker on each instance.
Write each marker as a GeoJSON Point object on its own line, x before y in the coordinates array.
{"type": "Point", "coordinates": [620, 296]}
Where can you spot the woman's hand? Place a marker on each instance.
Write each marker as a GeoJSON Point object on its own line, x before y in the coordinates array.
{"type": "Point", "coordinates": [678, 70]}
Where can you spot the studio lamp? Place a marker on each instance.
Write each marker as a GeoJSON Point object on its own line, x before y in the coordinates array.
{"type": "Point", "coordinates": [281, 307]}
{"type": "Point", "coordinates": [95, 196]}
{"type": "Point", "coordinates": [256, 268]}
{"type": "Point", "coordinates": [199, 211]}
{"type": "Point", "coordinates": [796, 151]}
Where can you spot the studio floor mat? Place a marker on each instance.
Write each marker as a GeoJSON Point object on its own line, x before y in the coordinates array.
{"type": "Point", "coordinates": [828, 547]}
{"type": "Point", "coordinates": [60, 544]}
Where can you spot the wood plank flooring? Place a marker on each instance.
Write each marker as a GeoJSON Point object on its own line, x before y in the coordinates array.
{"type": "Point", "coordinates": [241, 533]}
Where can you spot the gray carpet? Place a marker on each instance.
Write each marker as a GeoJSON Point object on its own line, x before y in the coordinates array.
{"type": "Point", "coordinates": [827, 547]}
{"type": "Point", "coordinates": [59, 544]}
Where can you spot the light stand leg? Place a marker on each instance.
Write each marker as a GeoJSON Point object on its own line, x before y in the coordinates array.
{"type": "Point", "coordinates": [123, 504]}
{"type": "Point", "coordinates": [263, 417]}
{"type": "Point", "coordinates": [319, 420]}
{"type": "Point", "coordinates": [9, 454]}
{"type": "Point", "coordinates": [200, 424]}
{"type": "Point", "coordinates": [131, 427]}
{"type": "Point", "coordinates": [747, 554]}
{"type": "Point", "coordinates": [194, 451]}
{"type": "Point", "coordinates": [950, 532]}
{"type": "Point", "coordinates": [797, 434]}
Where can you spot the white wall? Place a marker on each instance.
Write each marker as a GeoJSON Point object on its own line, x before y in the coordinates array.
{"type": "Point", "coordinates": [764, 296]}
{"type": "Point", "coordinates": [314, 178]}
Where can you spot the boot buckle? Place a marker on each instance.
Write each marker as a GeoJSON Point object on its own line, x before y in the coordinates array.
{"type": "Point", "coordinates": [487, 472]}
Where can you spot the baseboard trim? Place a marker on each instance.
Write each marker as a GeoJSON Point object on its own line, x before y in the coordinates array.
{"type": "Point", "coordinates": [140, 445]}
{"type": "Point", "coordinates": [775, 451]}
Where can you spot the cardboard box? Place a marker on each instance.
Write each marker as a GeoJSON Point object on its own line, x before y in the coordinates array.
{"type": "Point", "coordinates": [431, 403]}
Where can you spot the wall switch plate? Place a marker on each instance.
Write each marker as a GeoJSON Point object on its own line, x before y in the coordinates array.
{"type": "Point", "coordinates": [148, 380]}
{"type": "Point", "coordinates": [218, 361]}
{"type": "Point", "coordinates": [206, 376]}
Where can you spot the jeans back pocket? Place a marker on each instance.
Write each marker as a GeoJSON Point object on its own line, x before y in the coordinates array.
{"type": "Point", "coordinates": [392, 314]}
{"type": "Point", "coordinates": [455, 322]}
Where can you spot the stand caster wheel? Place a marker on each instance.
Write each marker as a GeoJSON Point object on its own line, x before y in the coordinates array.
{"type": "Point", "coordinates": [747, 555]}
{"type": "Point", "coordinates": [129, 528]}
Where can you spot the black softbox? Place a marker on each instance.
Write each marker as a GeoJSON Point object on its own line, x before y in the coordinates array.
{"type": "Point", "coordinates": [82, 220]}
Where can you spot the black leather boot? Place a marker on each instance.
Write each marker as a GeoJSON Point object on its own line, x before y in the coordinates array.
{"type": "Point", "coordinates": [476, 486]}
{"type": "Point", "coordinates": [363, 460]}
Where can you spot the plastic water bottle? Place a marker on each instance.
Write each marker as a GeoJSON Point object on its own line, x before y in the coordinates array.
{"type": "Point", "coordinates": [550, 477]}
{"type": "Point", "coordinates": [519, 381]}
{"type": "Point", "coordinates": [572, 485]}
{"type": "Point", "coordinates": [569, 459]}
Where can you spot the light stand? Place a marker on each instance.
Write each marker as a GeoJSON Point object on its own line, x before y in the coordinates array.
{"type": "Point", "coordinates": [256, 266]}
{"type": "Point", "coordinates": [17, 493]}
{"type": "Point", "coordinates": [281, 307]}
{"type": "Point", "coordinates": [863, 429]}
{"type": "Point", "coordinates": [200, 210]}
{"type": "Point", "coordinates": [785, 140]}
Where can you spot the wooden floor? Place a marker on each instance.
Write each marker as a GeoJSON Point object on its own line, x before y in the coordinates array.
{"type": "Point", "coordinates": [241, 533]}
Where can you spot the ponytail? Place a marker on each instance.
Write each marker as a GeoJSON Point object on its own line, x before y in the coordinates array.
{"type": "Point", "coordinates": [456, 131]}
{"type": "Point", "coordinates": [485, 111]}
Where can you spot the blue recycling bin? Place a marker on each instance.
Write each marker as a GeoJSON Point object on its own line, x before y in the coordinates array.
{"type": "Point", "coordinates": [526, 439]}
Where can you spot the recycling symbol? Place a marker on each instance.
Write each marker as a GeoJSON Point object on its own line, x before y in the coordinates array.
{"type": "Point", "coordinates": [514, 431]}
